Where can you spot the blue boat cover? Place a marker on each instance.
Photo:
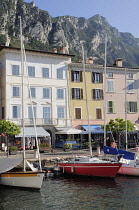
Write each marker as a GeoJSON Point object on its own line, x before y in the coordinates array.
{"type": "Point", "coordinates": [123, 153]}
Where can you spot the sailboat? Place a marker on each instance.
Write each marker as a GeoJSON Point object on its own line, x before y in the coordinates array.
{"type": "Point", "coordinates": [9, 175]}
{"type": "Point", "coordinates": [88, 165]}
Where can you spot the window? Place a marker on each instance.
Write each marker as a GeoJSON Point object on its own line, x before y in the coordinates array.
{"type": "Point", "coordinates": [3, 112]}
{"type": "Point", "coordinates": [98, 113]}
{"type": "Point", "coordinates": [110, 74]}
{"type": "Point", "coordinates": [77, 93]}
{"type": "Point", "coordinates": [76, 76]}
{"type": "Point", "coordinates": [110, 86]}
{"type": "Point", "coordinates": [31, 71]}
{"type": "Point", "coordinates": [45, 72]}
{"type": "Point", "coordinates": [97, 77]}
{"type": "Point", "coordinates": [16, 91]}
{"type": "Point", "coordinates": [16, 111]}
{"type": "Point", "coordinates": [46, 92]}
{"type": "Point", "coordinates": [77, 113]}
{"type": "Point", "coordinates": [47, 115]}
{"type": "Point", "coordinates": [110, 106]}
{"type": "Point", "coordinates": [131, 106]}
{"type": "Point", "coordinates": [130, 76]}
{"type": "Point", "coordinates": [32, 113]}
{"type": "Point", "coordinates": [15, 70]}
{"type": "Point", "coordinates": [61, 112]}
{"type": "Point", "coordinates": [60, 93]}
{"type": "Point", "coordinates": [59, 73]}
{"type": "Point", "coordinates": [33, 92]}
{"type": "Point", "coordinates": [130, 87]}
{"type": "Point", "coordinates": [97, 94]}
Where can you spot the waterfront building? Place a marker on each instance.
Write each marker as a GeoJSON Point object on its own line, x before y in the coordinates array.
{"type": "Point", "coordinates": [121, 95]}
{"type": "Point", "coordinates": [46, 74]}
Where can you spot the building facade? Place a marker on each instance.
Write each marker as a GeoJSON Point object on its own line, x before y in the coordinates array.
{"type": "Point", "coordinates": [45, 86]}
{"type": "Point", "coordinates": [111, 93]}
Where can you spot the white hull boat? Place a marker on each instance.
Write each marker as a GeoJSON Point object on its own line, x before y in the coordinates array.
{"type": "Point", "coordinates": [26, 179]}
{"type": "Point", "coordinates": [9, 175]}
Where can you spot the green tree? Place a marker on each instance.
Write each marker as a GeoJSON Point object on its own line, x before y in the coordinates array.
{"type": "Point", "coordinates": [8, 128]}
{"type": "Point", "coordinates": [118, 126]}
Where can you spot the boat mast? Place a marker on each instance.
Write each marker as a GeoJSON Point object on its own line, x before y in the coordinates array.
{"type": "Point", "coordinates": [87, 108]}
{"type": "Point", "coordinates": [126, 113]}
{"type": "Point", "coordinates": [105, 102]}
{"type": "Point", "coordinates": [22, 74]}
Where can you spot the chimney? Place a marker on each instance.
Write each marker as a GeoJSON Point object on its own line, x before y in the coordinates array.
{"type": "Point", "coordinates": [55, 50]}
{"type": "Point", "coordinates": [62, 50]}
{"type": "Point", "coordinates": [90, 60]}
{"type": "Point", "coordinates": [119, 62]}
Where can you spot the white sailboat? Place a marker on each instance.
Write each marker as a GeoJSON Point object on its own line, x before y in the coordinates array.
{"type": "Point", "coordinates": [32, 178]}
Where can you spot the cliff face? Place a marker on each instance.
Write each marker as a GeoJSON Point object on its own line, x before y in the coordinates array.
{"type": "Point", "coordinates": [43, 32]}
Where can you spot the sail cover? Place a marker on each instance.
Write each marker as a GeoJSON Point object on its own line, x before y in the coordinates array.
{"type": "Point", "coordinates": [6, 164]}
{"type": "Point", "coordinates": [123, 153]}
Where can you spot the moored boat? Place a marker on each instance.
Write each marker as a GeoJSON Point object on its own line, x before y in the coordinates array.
{"type": "Point", "coordinates": [129, 161]}
{"type": "Point", "coordinates": [87, 166]}
{"type": "Point", "coordinates": [11, 174]}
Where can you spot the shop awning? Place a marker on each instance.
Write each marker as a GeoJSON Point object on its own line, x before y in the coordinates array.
{"type": "Point", "coordinates": [69, 130]}
{"type": "Point", "coordinates": [94, 129]}
{"type": "Point", "coordinates": [30, 132]}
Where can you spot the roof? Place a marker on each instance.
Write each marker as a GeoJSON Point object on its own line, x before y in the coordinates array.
{"type": "Point", "coordinates": [36, 51]}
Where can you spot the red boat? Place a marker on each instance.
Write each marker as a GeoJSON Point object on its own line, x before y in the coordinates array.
{"type": "Point", "coordinates": [87, 166]}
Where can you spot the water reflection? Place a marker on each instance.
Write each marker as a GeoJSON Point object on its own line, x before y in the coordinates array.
{"type": "Point", "coordinates": [70, 193]}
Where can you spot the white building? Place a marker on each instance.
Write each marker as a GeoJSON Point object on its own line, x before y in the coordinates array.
{"type": "Point", "coordinates": [48, 81]}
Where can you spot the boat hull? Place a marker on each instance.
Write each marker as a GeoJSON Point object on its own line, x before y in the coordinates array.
{"type": "Point", "coordinates": [129, 170]}
{"type": "Point", "coordinates": [91, 169]}
{"type": "Point", "coordinates": [22, 179]}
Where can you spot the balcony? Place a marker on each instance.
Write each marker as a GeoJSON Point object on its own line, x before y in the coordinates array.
{"type": "Point", "coordinates": [42, 122]}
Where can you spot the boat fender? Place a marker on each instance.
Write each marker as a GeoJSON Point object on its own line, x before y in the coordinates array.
{"type": "Point", "coordinates": [63, 170]}
{"type": "Point", "coordinates": [72, 169]}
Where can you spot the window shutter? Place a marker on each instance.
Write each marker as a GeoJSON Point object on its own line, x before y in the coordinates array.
{"type": "Point", "coordinates": [128, 107]}
{"type": "Point", "coordinates": [81, 93]}
{"type": "Point", "coordinates": [81, 76]}
{"type": "Point", "coordinates": [101, 94]}
{"type": "Point", "coordinates": [77, 113]}
{"type": "Point", "coordinates": [94, 94]}
{"type": "Point", "coordinates": [98, 114]}
{"type": "Point", "coordinates": [73, 96]}
{"type": "Point", "coordinates": [72, 76]}
{"type": "Point", "coordinates": [135, 106]}
{"type": "Point", "coordinates": [93, 77]}
{"type": "Point", "coordinates": [101, 78]}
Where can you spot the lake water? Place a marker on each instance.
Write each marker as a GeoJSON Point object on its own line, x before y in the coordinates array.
{"type": "Point", "coordinates": [75, 193]}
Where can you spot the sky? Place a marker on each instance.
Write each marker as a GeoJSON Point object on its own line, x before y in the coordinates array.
{"type": "Point", "coordinates": [122, 14]}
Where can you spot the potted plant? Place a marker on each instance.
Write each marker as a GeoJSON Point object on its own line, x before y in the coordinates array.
{"type": "Point", "coordinates": [45, 147]}
{"type": "Point", "coordinates": [67, 147]}
{"type": "Point", "coordinates": [13, 150]}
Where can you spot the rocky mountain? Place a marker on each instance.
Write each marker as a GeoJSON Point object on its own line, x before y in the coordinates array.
{"type": "Point", "coordinates": [43, 32]}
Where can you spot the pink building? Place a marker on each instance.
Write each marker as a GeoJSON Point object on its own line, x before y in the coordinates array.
{"type": "Point", "coordinates": [122, 93]}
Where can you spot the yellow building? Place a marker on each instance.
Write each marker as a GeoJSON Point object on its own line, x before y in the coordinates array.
{"type": "Point", "coordinates": [92, 77]}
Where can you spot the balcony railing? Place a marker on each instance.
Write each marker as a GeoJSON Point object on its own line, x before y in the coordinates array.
{"type": "Point", "coordinates": [42, 121]}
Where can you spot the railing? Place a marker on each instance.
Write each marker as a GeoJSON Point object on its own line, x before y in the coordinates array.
{"type": "Point", "coordinates": [42, 121]}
